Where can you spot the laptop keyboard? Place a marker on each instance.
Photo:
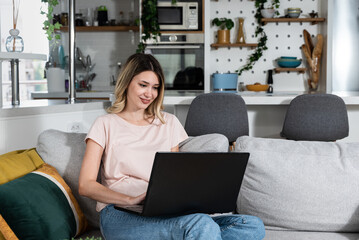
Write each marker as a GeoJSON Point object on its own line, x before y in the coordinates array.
{"type": "Point", "coordinates": [134, 208]}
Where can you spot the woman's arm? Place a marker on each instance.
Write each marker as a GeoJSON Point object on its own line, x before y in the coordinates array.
{"type": "Point", "coordinates": [89, 187]}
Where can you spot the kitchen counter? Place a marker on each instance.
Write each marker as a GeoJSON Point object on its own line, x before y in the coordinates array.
{"type": "Point", "coordinates": [38, 107]}
{"type": "Point", "coordinates": [173, 97]}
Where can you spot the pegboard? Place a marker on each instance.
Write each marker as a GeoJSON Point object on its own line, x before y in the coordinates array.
{"type": "Point", "coordinates": [284, 39]}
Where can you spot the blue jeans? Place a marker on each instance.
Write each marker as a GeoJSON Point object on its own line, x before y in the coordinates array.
{"type": "Point", "coordinates": [116, 224]}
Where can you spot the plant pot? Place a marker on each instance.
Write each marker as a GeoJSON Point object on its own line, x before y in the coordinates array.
{"type": "Point", "coordinates": [225, 81]}
{"type": "Point", "coordinates": [223, 36]}
{"type": "Point", "coordinates": [267, 12]}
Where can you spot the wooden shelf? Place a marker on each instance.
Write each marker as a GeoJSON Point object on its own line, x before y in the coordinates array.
{"type": "Point", "coordinates": [311, 20]}
{"type": "Point", "coordinates": [219, 45]}
{"type": "Point", "coordinates": [103, 29]}
{"type": "Point", "coordinates": [299, 70]}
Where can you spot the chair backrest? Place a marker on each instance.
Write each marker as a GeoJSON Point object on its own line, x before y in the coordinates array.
{"type": "Point", "coordinates": [316, 117]}
{"type": "Point", "coordinates": [224, 113]}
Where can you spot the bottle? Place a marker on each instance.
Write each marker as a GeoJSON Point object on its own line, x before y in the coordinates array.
{"type": "Point", "coordinates": [241, 87]}
{"type": "Point", "coordinates": [270, 81]}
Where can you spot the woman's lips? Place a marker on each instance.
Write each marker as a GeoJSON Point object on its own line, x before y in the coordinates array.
{"type": "Point", "coordinates": [145, 101]}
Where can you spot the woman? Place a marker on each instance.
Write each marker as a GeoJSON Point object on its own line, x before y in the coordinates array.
{"type": "Point", "coordinates": [124, 143]}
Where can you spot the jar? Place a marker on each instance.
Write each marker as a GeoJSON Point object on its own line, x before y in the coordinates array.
{"type": "Point", "coordinates": [56, 19]}
{"type": "Point", "coordinates": [79, 21]}
{"type": "Point", "coordinates": [64, 19]}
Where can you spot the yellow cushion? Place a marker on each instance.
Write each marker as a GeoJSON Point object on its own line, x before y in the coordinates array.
{"type": "Point", "coordinates": [18, 163]}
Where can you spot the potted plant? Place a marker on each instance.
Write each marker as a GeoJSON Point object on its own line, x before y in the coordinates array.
{"type": "Point", "coordinates": [225, 25]}
{"type": "Point", "coordinates": [49, 27]}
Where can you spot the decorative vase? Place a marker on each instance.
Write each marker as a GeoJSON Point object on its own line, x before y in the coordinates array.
{"type": "Point", "coordinates": [14, 42]}
{"type": "Point", "coordinates": [223, 36]}
{"type": "Point", "coordinates": [240, 37]}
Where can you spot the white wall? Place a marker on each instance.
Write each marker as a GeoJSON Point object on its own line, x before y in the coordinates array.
{"type": "Point", "coordinates": [21, 132]}
{"type": "Point", "coordinates": [284, 39]}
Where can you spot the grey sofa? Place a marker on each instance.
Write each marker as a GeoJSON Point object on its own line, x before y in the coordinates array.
{"type": "Point", "coordinates": [65, 151]}
{"type": "Point", "coordinates": [301, 190]}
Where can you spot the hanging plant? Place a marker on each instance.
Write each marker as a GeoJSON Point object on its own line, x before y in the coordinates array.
{"type": "Point", "coordinates": [262, 42]}
{"type": "Point", "coordinates": [48, 23]}
{"type": "Point", "coordinates": [149, 21]}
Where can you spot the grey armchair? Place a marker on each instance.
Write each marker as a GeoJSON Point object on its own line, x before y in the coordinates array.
{"type": "Point", "coordinates": [224, 113]}
{"type": "Point", "coordinates": [316, 117]}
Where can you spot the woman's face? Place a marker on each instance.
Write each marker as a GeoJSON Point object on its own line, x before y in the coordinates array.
{"type": "Point", "coordinates": [143, 90]}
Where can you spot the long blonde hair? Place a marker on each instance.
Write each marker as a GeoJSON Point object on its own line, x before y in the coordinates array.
{"type": "Point", "coordinates": [136, 64]}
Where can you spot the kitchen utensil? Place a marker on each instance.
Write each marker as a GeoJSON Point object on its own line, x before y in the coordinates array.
{"type": "Point", "coordinates": [225, 81]}
{"type": "Point", "coordinates": [80, 57]}
{"type": "Point", "coordinates": [308, 41]}
{"type": "Point", "coordinates": [257, 87]}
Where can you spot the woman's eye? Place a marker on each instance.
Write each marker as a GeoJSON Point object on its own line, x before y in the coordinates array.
{"type": "Point", "coordinates": [156, 88]}
{"type": "Point", "coordinates": [142, 85]}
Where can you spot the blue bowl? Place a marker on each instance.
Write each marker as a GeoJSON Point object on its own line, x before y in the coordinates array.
{"type": "Point", "coordinates": [286, 63]}
{"type": "Point", "coordinates": [225, 81]}
{"type": "Point", "coordinates": [286, 57]}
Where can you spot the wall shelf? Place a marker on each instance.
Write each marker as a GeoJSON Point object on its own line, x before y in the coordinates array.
{"type": "Point", "coordinates": [299, 70]}
{"type": "Point", "coordinates": [220, 45]}
{"type": "Point", "coordinates": [311, 20]}
{"type": "Point", "coordinates": [102, 29]}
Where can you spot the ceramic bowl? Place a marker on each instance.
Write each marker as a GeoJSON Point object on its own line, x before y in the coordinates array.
{"type": "Point", "coordinates": [293, 14]}
{"type": "Point", "coordinates": [294, 9]}
{"type": "Point", "coordinates": [287, 57]}
{"type": "Point", "coordinates": [257, 87]}
{"type": "Point", "coordinates": [289, 63]}
{"type": "Point", "coordinates": [267, 13]}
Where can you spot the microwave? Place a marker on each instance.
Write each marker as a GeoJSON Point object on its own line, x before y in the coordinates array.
{"type": "Point", "coordinates": [181, 16]}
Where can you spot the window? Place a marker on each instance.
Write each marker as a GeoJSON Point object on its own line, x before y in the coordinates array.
{"type": "Point", "coordinates": [31, 72]}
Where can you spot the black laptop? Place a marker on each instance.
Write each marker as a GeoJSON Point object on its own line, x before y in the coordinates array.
{"type": "Point", "coordinates": [193, 182]}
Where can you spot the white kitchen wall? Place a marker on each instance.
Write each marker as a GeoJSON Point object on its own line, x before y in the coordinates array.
{"type": "Point", "coordinates": [284, 39]}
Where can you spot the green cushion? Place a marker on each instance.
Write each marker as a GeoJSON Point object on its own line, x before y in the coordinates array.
{"type": "Point", "coordinates": [39, 206]}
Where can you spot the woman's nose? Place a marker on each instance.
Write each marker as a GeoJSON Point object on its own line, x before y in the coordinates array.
{"type": "Point", "coordinates": [148, 92]}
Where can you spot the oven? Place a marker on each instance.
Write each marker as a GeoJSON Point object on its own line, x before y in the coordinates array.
{"type": "Point", "coordinates": [182, 59]}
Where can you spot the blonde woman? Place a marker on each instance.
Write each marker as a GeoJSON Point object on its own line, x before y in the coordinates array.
{"type": "Point", "coordinates": [124, 143]}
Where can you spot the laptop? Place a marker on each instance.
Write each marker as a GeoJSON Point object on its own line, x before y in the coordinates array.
{"type": "Point", "coordinates": [192, 182]}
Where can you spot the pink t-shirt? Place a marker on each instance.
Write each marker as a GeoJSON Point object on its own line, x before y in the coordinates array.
{"type": "Point", "coordinates": [129, 150]}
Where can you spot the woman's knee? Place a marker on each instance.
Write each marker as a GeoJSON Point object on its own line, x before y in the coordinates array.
{"type": "Point", "coordinates": [256, 224]}
{"type": "Point", "coordinates": [201, 226]}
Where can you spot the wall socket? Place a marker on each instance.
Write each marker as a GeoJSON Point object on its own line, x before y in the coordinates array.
{"type": "Point", "coordinates": [74, 127]}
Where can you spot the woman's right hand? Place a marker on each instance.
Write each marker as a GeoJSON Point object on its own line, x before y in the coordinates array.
{"type": "Point", "coordinates": [138, 200]}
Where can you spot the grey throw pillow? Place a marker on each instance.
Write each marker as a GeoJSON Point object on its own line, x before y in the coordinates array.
{"type": "Point", "coordinates": [301, 185]}
{"type": "Point", "coordinates": [65, 152]}
{"type": "Point", "coordinates": [213, 142]}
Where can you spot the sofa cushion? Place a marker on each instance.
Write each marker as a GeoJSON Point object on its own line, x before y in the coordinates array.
{"type": "Point", "coordinates": [65, 152]}
{"type": "Point", "coordinates": [40, 205]}
{"type": "Point", "coordinates": [301, 185]}
{"type": "Point", "coordinates": [18, 163]}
